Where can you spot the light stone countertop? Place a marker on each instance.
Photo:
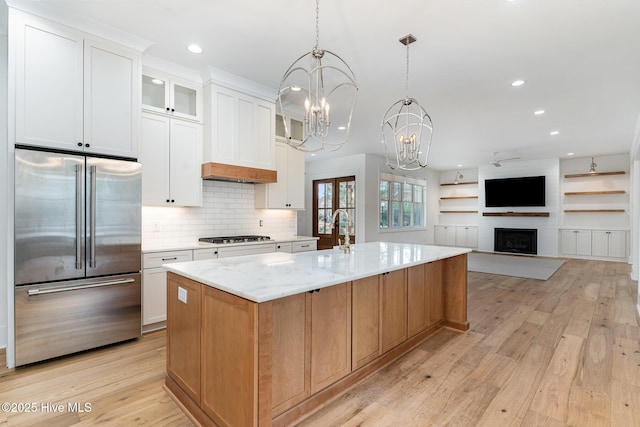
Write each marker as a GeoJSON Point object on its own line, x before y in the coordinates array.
{"type": "Point", "coordinates": [270, 276]}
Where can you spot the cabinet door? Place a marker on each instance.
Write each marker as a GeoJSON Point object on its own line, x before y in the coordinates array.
{"type": "Point", "coordinates": [440, 235]}
{"type": "Point", "coordinates": [284, 247]}
{"type": "Point", "coordinates": [416, 300]}
{"type": "Point", "coordinates": [290, 370]}
{"type": "Point", "coordinates": [617, 244]}
{"type": "Point", "coordinates": [599, 243]}
{"type": "Point", "coordinates": [184, 334]}
{"type": "Point", "coordinates": [569, 241]}
{"type": "Point", "coordinates": [49, 84]}
{"type": "Point", "coordinates": [394, 309]}
{"type": "Point", "coordinates": [366, 321]}
{"type": "Point", "coordinates": [472, 237]}
{"type": "Point", "coordinates": [435, 291]}
{"type": "Point", "coordinates": [111, 100]}
{"type": "Point", "coordinates": [461, 236]}
{"type": "Point", "coordinates": [295, 178]}
{"type": "Point", "coordinates": [277, 193]}
{"type": "Point", "coordinates": [154, 156]}
{"type": "Point", "coordinates": [154, 295]}
{"type": "Point", "coordinates": [202, 254]}
{"type": "Point", "coordinates": [185, 163]}
{"type": "Point", "coordinates": [185, 99]}
{"type": "Point", "coordinates": [330, 335]}
{"type": "Point", "coordinates": [155, 91]}
{"type": "Point", "coordinates": [583, 242]}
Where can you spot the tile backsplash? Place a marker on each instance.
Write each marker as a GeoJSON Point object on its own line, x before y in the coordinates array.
{"type": "Point", "coordinates": [227, 210]}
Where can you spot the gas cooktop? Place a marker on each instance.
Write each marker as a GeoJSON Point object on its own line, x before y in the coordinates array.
{"type": "Point", "coordinates": [234, 239]}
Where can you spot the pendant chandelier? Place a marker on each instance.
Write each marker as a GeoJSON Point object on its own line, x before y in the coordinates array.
{"type": "Point", "coordinates": [407, 128]}
{"type": "Point", "coordinates": [320, 88]}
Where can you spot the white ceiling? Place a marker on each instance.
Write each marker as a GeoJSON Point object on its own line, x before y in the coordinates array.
{"type": "Point", "coordinates": [580, 58]}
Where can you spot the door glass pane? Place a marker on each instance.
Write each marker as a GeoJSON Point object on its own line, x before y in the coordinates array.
{"type": "Point", "coordinates": [296, 129]}
{"type": "Point", "coordinates": [280, 126]}
{"type": "Point", "coordinates": [322, 229]}
{"type": "Point", "coordinates": [184, 100]}
{"type": "Point", "coordinates": [153, 92]}
{"type": "Point", "coordinates": [328, 196]}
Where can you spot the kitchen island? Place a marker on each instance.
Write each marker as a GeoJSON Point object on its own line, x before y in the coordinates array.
{"type": "Point", "coordinates": [268, 339]}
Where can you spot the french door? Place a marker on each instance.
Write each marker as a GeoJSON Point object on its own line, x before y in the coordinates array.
{"type": "Point", "coordinates": [328, 195]}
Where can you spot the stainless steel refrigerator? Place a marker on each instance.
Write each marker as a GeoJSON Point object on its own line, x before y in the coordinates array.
{"type": "Point", "coordinates": [77, 253]}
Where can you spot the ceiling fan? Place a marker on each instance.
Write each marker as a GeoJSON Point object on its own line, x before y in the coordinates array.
{"type": "Point", "coordinates": [498, 162]}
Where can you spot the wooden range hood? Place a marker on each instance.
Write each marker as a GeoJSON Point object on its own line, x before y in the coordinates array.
{"type": "Point", "coordinates": [224, 172]}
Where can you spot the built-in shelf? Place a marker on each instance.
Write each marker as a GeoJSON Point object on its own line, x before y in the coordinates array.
{"type": "Point", "coordinates": [594, 210]}
{"type": "Point", "coordinates": [458, 211]}
{"type": "Point", "coordinates": [580, 175]}
{"type": "Point", "coordinates": [460, 183]}
{"type": "Point", "coordinates": [585, 193]}
{"type": "Point", "coordinates": [539, 214]}
{"type": "Point", "coordinates": [458, 197]}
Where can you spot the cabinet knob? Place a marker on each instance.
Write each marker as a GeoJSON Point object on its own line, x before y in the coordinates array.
{"type": "Point", "coordinates": [173, 109]}
{"type": "Point", "coordinates": [168, 109]}
{"type": "Point", "coordinates": [173, 201]}
{"type": "Point", "coordinates": [87, 145]}
{"type": "Point", "coordinates": [168, 201]}
{"type": "Point", "coordinates": [79, 144]}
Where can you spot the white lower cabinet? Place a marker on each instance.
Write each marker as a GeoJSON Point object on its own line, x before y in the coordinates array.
{"type": "Point", "coordinates": [602, 244]}
{"type": "Point", "coordinates": [154, 286]}
{"type": "Point", "coordinates": [576, 242]}
{"type": "Point", "coordinates": [456, 235]}
{"type": "Point", "coordinates": [609, 244]}
{"type": "Point", "coordinates": [298, 246]}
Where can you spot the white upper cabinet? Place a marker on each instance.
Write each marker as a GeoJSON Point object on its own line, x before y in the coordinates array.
{"type": "Point", "coordinates": [166, 94]}
{"type": "Point", "coordinates": [171, 157]}
{"type": "Point", "coordinates": [288, 192]}
{"type": "Point", "coordinates": [73, 91]}
{"type": "Point", "coordinates": [239, 128]}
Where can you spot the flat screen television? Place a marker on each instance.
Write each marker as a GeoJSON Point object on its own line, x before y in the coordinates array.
{"type": "Point", "coordinates": [524, 191]}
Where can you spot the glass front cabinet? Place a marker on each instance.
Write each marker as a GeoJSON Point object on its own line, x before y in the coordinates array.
{"type": "Point", "coordinates": [162, 93]}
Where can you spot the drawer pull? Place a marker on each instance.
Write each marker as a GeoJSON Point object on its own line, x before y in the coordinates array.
{"type": "Point", "coordinates": [170, 259]}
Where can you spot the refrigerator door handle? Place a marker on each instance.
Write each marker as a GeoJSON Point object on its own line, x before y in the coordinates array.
{"type": "Point", "coordinates": [79, 287]}
{"type": "Point", "coordinates": [92, 221]}
{"type": "Point", "coordinates": [79, 263]}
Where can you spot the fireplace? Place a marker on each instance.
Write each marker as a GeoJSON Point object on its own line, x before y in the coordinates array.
{"type": "Point", "coordinates": [516, 240]}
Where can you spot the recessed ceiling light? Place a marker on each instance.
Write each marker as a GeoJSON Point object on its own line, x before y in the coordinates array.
{"type": "Point", "coordinates": [460, 166]}
{"type": "Point", "coordinates": [570, 154]}
{"type": "Point", "coordinates": [157, 81]}
{"type": "Point", "coordinates": [517, 83]}
{"type": "Point", "coordinates": [538, 112]}
{"type": "Point", "coordinates": [342, 127]}
{"type": "Point", "coordinates": [554, 132]}
{"type": "Point", "coordinates": [296, 88]}
{"type": "Point", "coordinates": [194, 48]}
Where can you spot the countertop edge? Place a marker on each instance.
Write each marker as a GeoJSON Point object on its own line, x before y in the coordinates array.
{"type": "Point", "coordinates": [178, 269]}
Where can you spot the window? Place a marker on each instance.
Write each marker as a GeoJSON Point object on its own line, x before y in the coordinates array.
{"type": "Point", "coordinates": [401, 202]}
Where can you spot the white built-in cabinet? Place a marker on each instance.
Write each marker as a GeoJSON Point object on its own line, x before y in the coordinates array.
{"type": "Point", "coordinates": [239, 128]}
{"type": "Point", "coordinates": [154, 286]}
{"type": "Point", "coordinates": [288, 192]}
{"type": "Point", "coordinates": [456, 235]}
{"type": "Point", "coordinates": [74, 91]}
{"type": "Point", "coordinates": [576, 242]}
{"type": "Point", "coordinates": [609, 244]}
{"type": "Point", "coordinates": [171, 157]}
{"type": "Point", "coordinates": [600, 244]}
{"type": "Point", "coordinates": [166, 94]}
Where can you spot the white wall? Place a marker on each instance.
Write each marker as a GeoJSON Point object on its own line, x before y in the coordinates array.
{"type": "Point", "coordinates": [366, 168]}
{"type": "Point", "coordinates": [4, 187]}
{"type": "Point", "coordinates": [228, 209]}
{"type": "Point", "coordinates": [547, 226]}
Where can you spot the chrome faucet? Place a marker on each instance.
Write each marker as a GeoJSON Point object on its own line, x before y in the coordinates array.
{"type": "Point", "coordinates": [346, 248]}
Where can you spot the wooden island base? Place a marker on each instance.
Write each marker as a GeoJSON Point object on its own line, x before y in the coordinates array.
{"type": "Point", "coordinates": [234, 362]}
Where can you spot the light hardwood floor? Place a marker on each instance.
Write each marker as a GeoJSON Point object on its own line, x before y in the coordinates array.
{"type": "Point", "coordinates": [539, 353]}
